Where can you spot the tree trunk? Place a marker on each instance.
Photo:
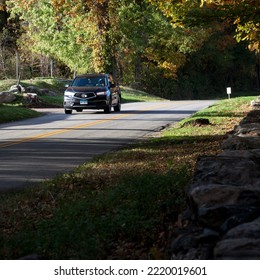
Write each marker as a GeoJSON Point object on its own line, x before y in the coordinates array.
{"type": "Point", "coordinates": [104, 52]}
{"type": "Point", "coordinates": [3, 14]}
{"type": "Point", "coordinates": [51, 67]}
{"type": "Point", "coordinates": [17, 65]}
{"type": "Point", "coordinates": [258, 71]}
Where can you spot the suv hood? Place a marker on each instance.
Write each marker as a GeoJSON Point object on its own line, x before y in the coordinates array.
{"type": "Point", "coordinates": [86, 89]}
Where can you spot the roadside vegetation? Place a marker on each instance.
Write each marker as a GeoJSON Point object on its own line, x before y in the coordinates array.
{"type": "Point", "coordinates": [20, 109]}
{"type": "Point", "coordinates": [120, 205]}
{"type": "Point", "coordinates": [132, 95]}
{"type": "Point", "coordinates": [11, 113]}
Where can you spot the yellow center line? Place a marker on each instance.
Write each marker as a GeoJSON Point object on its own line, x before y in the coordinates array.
{"type": "Point", "coordinates": [75, 127]}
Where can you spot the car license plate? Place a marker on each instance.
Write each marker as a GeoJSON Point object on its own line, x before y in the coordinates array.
{"type": "Point", "coordinates": [83, 102]}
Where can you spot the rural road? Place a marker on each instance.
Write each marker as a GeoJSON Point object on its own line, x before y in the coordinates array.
{"type": "Point", "coordinates": [36, 149]}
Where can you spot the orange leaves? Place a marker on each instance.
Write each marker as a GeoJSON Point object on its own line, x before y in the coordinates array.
{"type": "Point", "coordinates": [64, 5]}
{"type": "Point", "coordinates": [2, 5]}
{"type": "Point", "coordinates": [62, 8]}
{"type": "Point", "coordinates": [25, 4]}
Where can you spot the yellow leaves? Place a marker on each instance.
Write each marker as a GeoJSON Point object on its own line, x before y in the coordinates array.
{"type": "Point", "coordinates": [170, 69]}
{"type": "Point", "coordinates": [254, 46]}
{"type": "Point", "coordinates": [26, 4]}
{"type": "Point", "coordinates": [220, 2]}
{"type": "Point", "coordinates": [61, 5]}
{"type": "Point", "coordinates": [167, 59]}
{"type": "Point", "coordinates": [58, 3]}
{"type": "Point", "coordinates": [249, 31]}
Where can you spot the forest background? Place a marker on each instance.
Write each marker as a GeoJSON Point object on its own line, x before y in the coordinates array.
{"type": "Point", "coordinates": [176, 49]}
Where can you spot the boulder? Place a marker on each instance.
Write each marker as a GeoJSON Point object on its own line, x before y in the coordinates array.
{"type": "Point", "coordinates": [226, 169]}
{"type": "Point", "coordinates": [256, 103]}
{"type": "Point", "coordinates": [241, 242]}
{"type": "Point", "coordinates": [252, 117]}
{"type": "Point", "coordinates": [192, 244]}
{"type": "Point", "coordinates": [218, 195]}
{"type": "Point", "coordinates": [39, 91]}
{"type": "Point", "coordinates": [31, 89]}
{"type": "Point", "coordinates": [17, 88]}
{"type": "Point", "coordinates": [238, 249]}
{"type": "Point", "coordinates": [247, 230]}
{"type": "Point", "coordinates": [31, 98]}
{"type": "Point", "coordinates": [245, 136]}
{"type": "Point", "coordinates": [43, 91]}
{"type": "Point", "coordinates": [222, 218]}
{"type": "Point", "coordinates": [7, 97]}
{"type": "Point", "coordinates": [241, 143]}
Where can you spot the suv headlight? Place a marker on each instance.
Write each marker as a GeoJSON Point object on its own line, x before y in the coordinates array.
{"type": "Point", "coordinates": [68, 94]}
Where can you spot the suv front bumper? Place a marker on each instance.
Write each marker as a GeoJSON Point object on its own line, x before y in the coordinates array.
{"type": "Point", "coordinates": [100, 102]}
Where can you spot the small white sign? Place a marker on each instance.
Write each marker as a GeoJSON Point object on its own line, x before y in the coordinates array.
{"type": "Point", "coordinates": [228, 90]}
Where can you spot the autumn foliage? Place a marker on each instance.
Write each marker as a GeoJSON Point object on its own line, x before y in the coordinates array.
{"type": "Point", "coordinates": [169, 47]}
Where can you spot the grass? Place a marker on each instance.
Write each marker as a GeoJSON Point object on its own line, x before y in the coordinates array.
{"type": "Point", "coordinates": [17, 110]}
{"type": "Point", "coordinates": [51, 84]}
{"type": "Point", "coordinates": [132, 95]}
{"type": "Point", "coordinates": [226, 111]}
{"type": "Point", "coordinates": [122, 205]}
{"type": "Point", "coordinates": [11, 113]}
{"type": "Point", "coordinates": [93, 224]}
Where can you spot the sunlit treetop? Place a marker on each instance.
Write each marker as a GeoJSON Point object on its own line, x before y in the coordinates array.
{"type": "Point", "coordinates": [244, 14]}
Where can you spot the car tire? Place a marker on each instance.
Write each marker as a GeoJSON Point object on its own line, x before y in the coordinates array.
{"type": "Point", "coordinates": [108, 108]}
{"type": "Point", "coordinates": [79, 110]}
{"type": "Point", "coordinates": [117, 108]}
{"type": "Point", "coordinates": [68, 112]}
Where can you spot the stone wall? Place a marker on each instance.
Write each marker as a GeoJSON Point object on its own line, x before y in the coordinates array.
{"type": "Point", "coordinates": [223, 219]}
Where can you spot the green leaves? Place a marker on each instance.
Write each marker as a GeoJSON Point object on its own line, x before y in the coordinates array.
{"type": "Point", "coordinates": [173, 48]}
{"type": "Point", "coordinates": [68, 37]}
{"type": "Point", "coordinates": [244, 14]}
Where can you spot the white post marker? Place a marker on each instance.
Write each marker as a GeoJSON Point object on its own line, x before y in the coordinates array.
{"type": "Point", "coordinates": [228, 92]}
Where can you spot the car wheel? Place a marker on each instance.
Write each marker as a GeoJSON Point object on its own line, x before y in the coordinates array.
{"type": "Point", "coordinates": [79, 110]}
{"type": "Point", "coordinates": [117, 108]}
{"type": "Point", "coordinates": [68, 111]}
{"type": "Point", "coordinates": [108, 108]}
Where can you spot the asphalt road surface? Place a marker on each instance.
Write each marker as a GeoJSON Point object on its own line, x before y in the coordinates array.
{"type": "Point", "coordinates": [37, 149]}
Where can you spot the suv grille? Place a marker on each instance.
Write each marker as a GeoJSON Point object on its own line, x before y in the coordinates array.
{"type": "Point", "coordinates": [85, 94]}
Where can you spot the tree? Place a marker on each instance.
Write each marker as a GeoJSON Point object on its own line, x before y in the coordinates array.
{"type": "Point", "coordinates": [3, 14]}
{"type": "Point", "coordinates": [244, 14]}
{"type": "Point", "coordinates": [9, 34]}
{"type": "Point", "coordinates": [144, 42]}
{"type": "Point", "coordinates": [74, 32]}
{"type": "Point", "coordinates": [51, 32]}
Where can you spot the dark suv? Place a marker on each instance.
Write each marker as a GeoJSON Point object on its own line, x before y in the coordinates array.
{"type": "Point", "coordinates": [92, 91]}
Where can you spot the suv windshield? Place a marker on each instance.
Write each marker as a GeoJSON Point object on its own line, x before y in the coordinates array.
{"type": "Point", "coordinates": [89, 82]}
